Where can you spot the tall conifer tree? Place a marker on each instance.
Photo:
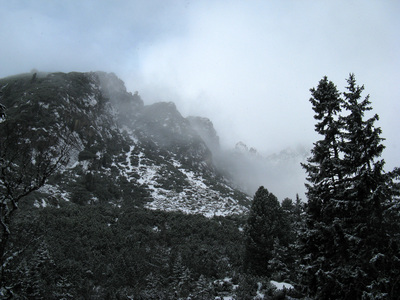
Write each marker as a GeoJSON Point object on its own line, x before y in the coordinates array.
{"type": "Point", "coordinates": [265, 224]}
{"type": "Point", "coordinates": [367, 191]}
{"type": "Point", "coordinates": [323, 166]}
{"type": "Point", "coordinates": [345, 246]}
{"type": "Point", "coordinates": [324, 174]}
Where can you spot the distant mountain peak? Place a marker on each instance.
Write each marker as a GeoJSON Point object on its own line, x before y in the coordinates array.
{"type": "Point", "coordinates": [241, 147]}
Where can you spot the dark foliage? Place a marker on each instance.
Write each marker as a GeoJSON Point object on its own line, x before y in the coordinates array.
{"type": "Point", "coordinates": [104, 252]}
{"type": "Point", "coordinates": [27, 160]}
{"type": "Point", "coordinates": [267, 229]}
{"type": "Point", "coordinates": [347, 249]}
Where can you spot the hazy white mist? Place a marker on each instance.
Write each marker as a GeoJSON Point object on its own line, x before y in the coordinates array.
{"type": "Point", "coordinates": [246, 65]}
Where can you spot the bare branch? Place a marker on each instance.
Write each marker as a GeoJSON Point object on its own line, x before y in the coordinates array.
{"type": "Point", "coordinates": [27, 160]}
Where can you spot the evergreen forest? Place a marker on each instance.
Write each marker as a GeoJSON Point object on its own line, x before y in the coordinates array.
{"type": "Point", "coordinates": [341, 242]}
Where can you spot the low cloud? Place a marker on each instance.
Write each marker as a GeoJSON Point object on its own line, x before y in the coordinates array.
{"type": "Point", "coordinates": [247, 66]}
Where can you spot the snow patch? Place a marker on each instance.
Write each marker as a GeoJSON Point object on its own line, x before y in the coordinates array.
{"type": "Point", "coordinates": [282, 285]}
{"type": "Point", "coordinates": [91, 100]}
{"type": "Point", "coordinates": [195, 180]}
{"type": "Point", "coordinates": [54, 191]}
{"type": "Point", "coordinates": [43, 203]}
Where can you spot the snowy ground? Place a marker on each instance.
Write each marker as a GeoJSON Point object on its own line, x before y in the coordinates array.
{"type": "Point", "coordinates": [282, 285]}
{"type": "Point", "coordinates": [196, 197]}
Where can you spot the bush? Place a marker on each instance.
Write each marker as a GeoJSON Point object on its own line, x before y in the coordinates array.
{"type": "Point", "coordinates": [86, 155]}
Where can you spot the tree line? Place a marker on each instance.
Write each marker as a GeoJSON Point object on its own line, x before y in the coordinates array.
{"type": "Point", "coordinates": [348, 246]}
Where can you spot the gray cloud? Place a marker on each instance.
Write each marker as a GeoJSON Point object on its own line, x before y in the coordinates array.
{"type": "Point", "coordinates": [247, 65]}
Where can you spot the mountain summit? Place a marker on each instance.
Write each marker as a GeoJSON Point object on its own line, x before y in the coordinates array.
{"type": "Point", "coordinates": [124, 152]}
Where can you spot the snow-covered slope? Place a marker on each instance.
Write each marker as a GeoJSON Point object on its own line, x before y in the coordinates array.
{"type": "Point", "coordinates": [124, 152]}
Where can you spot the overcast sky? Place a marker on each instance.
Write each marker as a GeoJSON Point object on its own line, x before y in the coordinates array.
{"type": "Point", "coordinates": [246, 65]}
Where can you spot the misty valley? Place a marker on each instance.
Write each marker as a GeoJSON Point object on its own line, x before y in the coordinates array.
{"type": "Point", "coordinates": [106, 197]}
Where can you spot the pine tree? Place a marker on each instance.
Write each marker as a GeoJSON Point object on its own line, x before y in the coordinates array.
{"type": "Point", "coordinates": [154, 287]}
{"type": "Point", "coordinates": [391, 218]}
{"type": "Point", "coordinates": [265, 224]}
{"type": "Point", "coordinates": [345, 246]}
{"type": "Point", "coordinates": [278, 266]}
{"type": "Point", "coordinates": [367, 191]}
{"type": "Point", "coordinates": [203, 290]}
{"type": "Point", "coordinates": [36, 278]}
{"type": "Point", "coordinates": [181, 278]}
{"type": "Point", "coordinates": [323, 166]}
{"type": "Point", "coordinates": [362, 148]}
{"type": "Point", "coordinates": [323, 170]}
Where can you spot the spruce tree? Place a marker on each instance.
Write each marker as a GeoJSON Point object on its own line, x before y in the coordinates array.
{"type": "Point", "coordinates": [323, 176]}
{"type": "Point", "coordinates": [345, 245]}
{"type": "Point", "coordinates": [323, 166]}
{"type": "Point", "coordinates": [367, 190]}
{"type": "Point", "coordinates": [265, 225]}
{"type": "Point", "coordinates": [181, 278]}
{"type": "Point", "coordinates": [362, 148]}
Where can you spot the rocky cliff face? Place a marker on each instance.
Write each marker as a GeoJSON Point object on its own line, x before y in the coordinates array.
{"type": "Point", "coordinates": [124, 152]}
{"type": "Point", "coordinates": [205, 128]}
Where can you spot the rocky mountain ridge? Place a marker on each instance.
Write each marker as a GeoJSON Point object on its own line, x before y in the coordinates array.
{"type": "Point", "coordinates": [124, 152]}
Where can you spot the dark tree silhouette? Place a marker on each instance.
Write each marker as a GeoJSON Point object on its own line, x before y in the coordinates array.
{"type": "Point", "coordinates": [27, 159]}
{"type": "Point", "coordinates": [346, 248]}
{"type": "Point", "coordinates": [266, 224]}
